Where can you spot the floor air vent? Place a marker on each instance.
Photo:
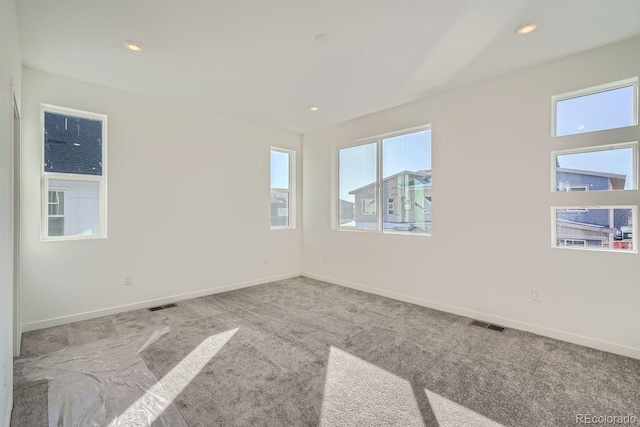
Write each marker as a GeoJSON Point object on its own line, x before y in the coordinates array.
{"type": "Point", "coordinates": [162, 307]}
{"type": "Point", "coordinates": [487, 326]}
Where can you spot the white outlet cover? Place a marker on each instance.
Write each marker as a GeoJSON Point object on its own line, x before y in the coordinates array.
{"type": "Point", "coordinates": [536, 294]}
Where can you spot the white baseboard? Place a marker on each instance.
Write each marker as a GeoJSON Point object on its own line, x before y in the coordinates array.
{"type": "Point", "coordinates": [502, 321]}
{"type": "Point", "coordinates": [510, 323]}
{"type": "Point", "coordinates": [7, 421]}
{"type": "Point", "coordinates": [47, 323]}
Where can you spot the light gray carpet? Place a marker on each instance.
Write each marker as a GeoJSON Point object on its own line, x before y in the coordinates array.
{"type": "Point", "coordinates": [304, 353]}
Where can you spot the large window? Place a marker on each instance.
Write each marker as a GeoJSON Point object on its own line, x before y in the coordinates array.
{"type": "Point", "coordinates": [384, 183]}
{"type": "Point", "coordinates": [591, 222]}
{"type": "Point", "coordinates": [282, 188]}
{"type": "Point", "coordinates": [74, 174]}
{"type": "Point", "coordinates": [609, 106]}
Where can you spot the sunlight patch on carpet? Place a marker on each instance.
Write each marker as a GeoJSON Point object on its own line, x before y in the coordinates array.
{"type": "Point", "coordinates": [150, 406]}
{"type": "Point", "coordinates": [357, 393]}
{"type": "Point", "coordinates": [451, 414]}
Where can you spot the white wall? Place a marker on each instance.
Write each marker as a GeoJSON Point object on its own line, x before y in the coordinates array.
{"type": "Point", "coordinates": [491, 211]}
{"type": "Point", "coordinates": [9, 83]}
{"type": "Point", "coordinates": [188, 207]}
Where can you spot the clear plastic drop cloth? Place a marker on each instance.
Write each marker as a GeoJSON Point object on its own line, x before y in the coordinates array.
{"type": "Point", "coordinates": [105, 383]}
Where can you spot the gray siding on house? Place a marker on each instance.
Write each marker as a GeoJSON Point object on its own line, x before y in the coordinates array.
{"type": "Point", "coordinates": [405, 204]}
{"type": "Point", "coordinates": [592, 182]}
{"type": "Point", "coordinates": [347, 211]}
{"type": "Point", "coordinates": [279, 205]}
{"type": "Point", "coordinates": [72, 144]}
{"type": "Point", "coordinates": [365, 205]}
{"type": "Point", "coordinates": [600, 217]}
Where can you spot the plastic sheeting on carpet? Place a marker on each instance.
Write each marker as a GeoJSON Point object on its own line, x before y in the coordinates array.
{"type": "Point", "coordinates": [94, 384]}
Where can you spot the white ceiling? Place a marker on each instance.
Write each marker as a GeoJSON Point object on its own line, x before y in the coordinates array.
{"type": "Point", "coordinates": [257, 59]}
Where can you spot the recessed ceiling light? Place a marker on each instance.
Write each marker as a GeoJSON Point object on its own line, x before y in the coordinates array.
{"type": "Point", "coordinates": [76, 144]}
{"type": "Point", "coordinates": [314, 108]}
{"type": "Point", "coordinates": [526, 28]}
{"type": "Point", "coordinates": [133, 46]}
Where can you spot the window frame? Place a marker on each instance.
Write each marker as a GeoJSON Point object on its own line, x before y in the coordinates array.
{"type": "Point", "coordinates": [633, 81]}
{"type": "Point", "coordinates": [380, 203]}
{"type": "Point", "coordinates": [291, 191]}
{"type": "Point", "coordinates": [58, 215]}
{"type": "Point", "coordinates": [634, 228]}
{"type": "Point", "coordinates": [600, 199]}
{"type": "Point", "coordinates": [46, 177]}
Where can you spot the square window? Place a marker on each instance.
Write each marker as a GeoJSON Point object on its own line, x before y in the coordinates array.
{"type": "Point", "coordinates": [72, 144]}
{"type": "Point", "coordinates": [385, 185]}
{"type": "Point", "coordinates": [77, 209]}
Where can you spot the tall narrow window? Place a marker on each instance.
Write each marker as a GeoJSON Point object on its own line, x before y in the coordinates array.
{"type": "Point", "coordinates": [74, 174]}
{"type": "Point", "coordinates": [384, 184]}
{"type": "Point", "coordinates": [406, 178]}
{"type": "Point", "coordinates": [282, 188]}
{"type": "Point", "coordinates": [358, 192]}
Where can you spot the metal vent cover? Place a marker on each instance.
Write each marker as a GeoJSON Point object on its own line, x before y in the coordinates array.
{"type": "Point", "coordinates": [162, 307]}
{"type": "Point", "coordinates": [486, 325]}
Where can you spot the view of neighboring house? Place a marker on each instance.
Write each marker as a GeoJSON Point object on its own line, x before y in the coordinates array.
{"type": "Point", "coordinates": [406, 202]}
{"type": "Point", "coordinates": [591, 227]}
{"type": "Point", "coordinates": [407, 207]}
{"type": "Point", "coordinates": [346, 211]}
{"type": "Point", "coordinates": [279, 208]}
{"type": "Point", "coordinates": [73, 145]}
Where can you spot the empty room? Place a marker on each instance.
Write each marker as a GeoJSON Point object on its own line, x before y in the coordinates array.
{"type": "Point", "coordinates": [303, 213]}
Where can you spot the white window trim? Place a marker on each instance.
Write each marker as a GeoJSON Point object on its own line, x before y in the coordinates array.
{"type": "Point", "coordinates": [48, 176]}
{"type": "Point", "coordinates": [335, 190]}
{"type": "Point", "coordinates": [633, 145]}
{"type": "Point", "coordinates": [590, 91]}
{"type": "Point", "coordinates": [576, 210]}
{"type": "Point", "coordinates": [575, 187]}
{"type": "Point", "coordinates": [57, 202]}
{"type": "Point", "coordinates": [291, 190]}
{"type": "Point", "coordinates": [634, 220]}
{"type": "Point", "coordinates": [584, 242]}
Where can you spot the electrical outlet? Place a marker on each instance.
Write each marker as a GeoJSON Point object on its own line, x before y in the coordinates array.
{"type": "Point", "coordinates": [4, 377]}
{"type": "Point", "coordinates": [128, 279]}
{"type": "Point", "coordinates": [324, 259]}
{"type": "Point", "coordinates": [265, 260]}
{"type": "Point", "coordinates": [536, 294]}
